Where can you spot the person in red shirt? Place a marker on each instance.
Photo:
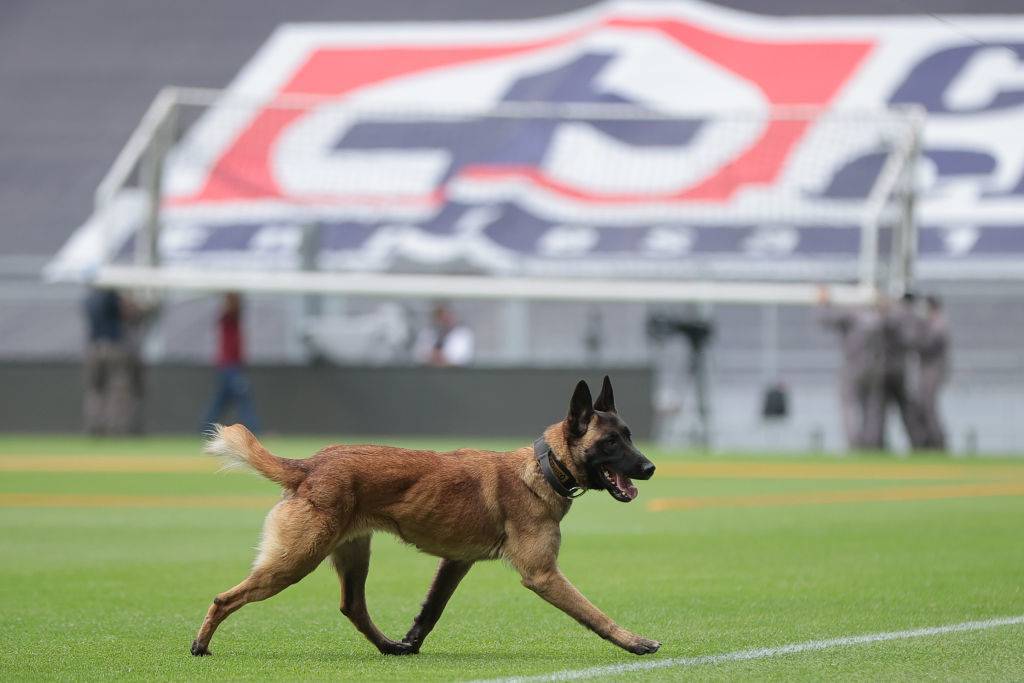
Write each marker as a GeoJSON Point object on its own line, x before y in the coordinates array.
{"type": "Point", "coordinates": [232, 385]}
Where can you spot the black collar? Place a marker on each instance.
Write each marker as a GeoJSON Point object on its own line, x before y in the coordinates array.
{"type": "Point", "coordinates": [563, 482]}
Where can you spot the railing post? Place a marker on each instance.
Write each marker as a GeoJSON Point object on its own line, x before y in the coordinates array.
{"type": "Point", "coordinates": [904, 256]}
{"type": "Point", "coordinates": [151, 171]}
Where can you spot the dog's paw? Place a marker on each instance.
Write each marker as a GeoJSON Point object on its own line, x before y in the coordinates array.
{"type": "Point", "coordinates": [414, 644]}
{"type": "Point", "coordinates": [643, 646]}
{"type": "Point", "coordinates": [396, 648]}
{"type": "Point", "coordinates": [199, 650]}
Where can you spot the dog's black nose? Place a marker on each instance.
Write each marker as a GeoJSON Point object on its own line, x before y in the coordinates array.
{"type": "Point", "coordinates": [647, 469]}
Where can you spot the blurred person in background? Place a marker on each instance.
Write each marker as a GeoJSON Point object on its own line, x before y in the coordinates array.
{"type": "Point", "coordinates": [232, 387]}
{"type": "Point", "coordinates": [446, 341]}
{"type": "Point", "coordinates": [137, 314]}
{"type": "Point", "coordinates": [933, 349]}
{"type": "Point", "coordinates": [862, 344]}
{"type": "Point", "coordinates": [107, 401]}
{"type": "Point", "coordinates": [902, 329]}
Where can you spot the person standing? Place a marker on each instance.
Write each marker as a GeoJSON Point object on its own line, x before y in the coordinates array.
{"type": "Point", "coordinates": [933, 348]}
{"type": "Point", "coordinates": [446, 342]}
{"type": "Point", "coordinates": [137, 315]}
{"type": "Point", "coordinates": [232, 385]}
{"type": "Point", "coordinates": [902, 329]}
{"type": "Point", "coordinates": [107, 382]}
{"type": "Point", "coordinates": [860, 377]}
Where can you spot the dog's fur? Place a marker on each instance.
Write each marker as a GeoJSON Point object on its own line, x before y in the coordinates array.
{"type": "Point", "coordinates": [463, 506]}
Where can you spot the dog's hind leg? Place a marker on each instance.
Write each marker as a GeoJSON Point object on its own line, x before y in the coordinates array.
{"type": "Point", "coordinates": [352, 562]}
{"type": "Point", "coordinates": [449, 574]}
{"type": "Point", "coordinates": [296, 538]}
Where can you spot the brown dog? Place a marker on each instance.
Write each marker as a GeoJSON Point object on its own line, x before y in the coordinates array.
{"type": "Point", "coordinates": [463, 506]}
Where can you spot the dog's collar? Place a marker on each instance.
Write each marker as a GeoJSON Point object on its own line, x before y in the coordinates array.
{"type": "Point", "coordinates": [562, 482]}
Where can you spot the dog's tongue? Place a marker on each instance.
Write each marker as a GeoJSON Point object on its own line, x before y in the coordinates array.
{"type": "Point", "coordinates": [625, 485]}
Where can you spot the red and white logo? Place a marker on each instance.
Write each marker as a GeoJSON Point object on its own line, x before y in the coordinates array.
{"type": "Point", "coordinates": [492, 144]}
{"type": "Point", "coordinates": [670, 65]}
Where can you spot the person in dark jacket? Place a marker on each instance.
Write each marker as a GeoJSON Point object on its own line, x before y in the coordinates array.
{"type": "Point", "coordinates": [902, 329]}
{"type": "Point", "coordinates": [107, 402]}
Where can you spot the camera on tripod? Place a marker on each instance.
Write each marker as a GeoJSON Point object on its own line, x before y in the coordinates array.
{"type": "Point", "coordinates": [696, 331]}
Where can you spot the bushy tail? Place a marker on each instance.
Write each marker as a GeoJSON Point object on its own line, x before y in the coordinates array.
{"type": "Point", "coordinates": [240, 447]}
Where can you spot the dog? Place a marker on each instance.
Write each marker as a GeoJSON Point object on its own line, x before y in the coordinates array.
{"type": "Point", "coordinates": [464, 506]}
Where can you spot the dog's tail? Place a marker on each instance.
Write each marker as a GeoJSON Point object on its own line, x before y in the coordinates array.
{"type": "Point", "coordinates": [241, 448]}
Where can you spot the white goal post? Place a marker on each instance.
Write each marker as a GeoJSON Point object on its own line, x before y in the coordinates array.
{"type": "Point", "coordinates": [524, 200]}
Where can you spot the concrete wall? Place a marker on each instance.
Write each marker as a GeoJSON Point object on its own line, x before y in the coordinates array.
{"type": "Point", "coordinates": [981, 407]}
{"type": "Point", "coordinates": [512, 402]}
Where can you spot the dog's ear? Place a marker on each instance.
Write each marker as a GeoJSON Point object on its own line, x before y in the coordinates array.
{"type": "Point", "coordinates": [606, 400]}
{"type": "Point", "coordinates": [581, 409]}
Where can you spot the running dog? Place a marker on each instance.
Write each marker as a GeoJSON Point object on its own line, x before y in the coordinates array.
{"type": "Point", "coordinates": [463, 506]}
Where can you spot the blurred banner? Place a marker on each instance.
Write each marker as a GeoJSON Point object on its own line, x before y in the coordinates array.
{"type": "Point", "coordinates": [629, 139]}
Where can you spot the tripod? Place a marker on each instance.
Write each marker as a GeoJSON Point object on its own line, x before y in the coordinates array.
{"type": "Point", "coordinates": [674, 424]}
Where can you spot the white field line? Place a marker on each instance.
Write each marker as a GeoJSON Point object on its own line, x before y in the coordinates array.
{"type": "Point", "coordinates": [760, 653]}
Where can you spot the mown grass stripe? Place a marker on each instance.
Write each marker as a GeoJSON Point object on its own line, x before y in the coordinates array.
{"type": "Point", "coordinates": [106, 463]}
{"type": "Point", "coordinates": [881, 495]}
{"type": "Point", "coordinates": [76, 500]}
{"type": "Point", "coordinates": [827, 470]}
{"type": "Point", "coordinates": [763, 652]}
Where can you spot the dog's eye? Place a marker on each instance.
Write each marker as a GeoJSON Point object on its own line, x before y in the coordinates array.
{"type": "Point", "coordinates": [628, 434]}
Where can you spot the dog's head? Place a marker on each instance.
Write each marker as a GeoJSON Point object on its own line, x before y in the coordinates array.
{"type": "Point", "coordinates": [600, 442]}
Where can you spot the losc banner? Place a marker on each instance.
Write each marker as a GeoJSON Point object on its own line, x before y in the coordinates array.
{"type": "Point", "coordinates": [705, 192]}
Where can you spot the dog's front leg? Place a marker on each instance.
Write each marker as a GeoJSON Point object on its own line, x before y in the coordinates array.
{"type": "Point", "coordinates": [550, 584]}
{"type": "Point", "coordinates": [532, 548]}
{"type": "Point", "coordinates": [449, 574]}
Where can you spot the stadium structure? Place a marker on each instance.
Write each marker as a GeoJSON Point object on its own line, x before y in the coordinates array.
{"type": "Point", "coordinates": [563, 175]}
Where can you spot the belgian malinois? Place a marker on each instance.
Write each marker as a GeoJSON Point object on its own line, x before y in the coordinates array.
{"type": "Point", "coordinates": [463, 506]}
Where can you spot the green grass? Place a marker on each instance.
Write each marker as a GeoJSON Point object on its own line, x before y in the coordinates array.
{"type": "Point", "coordinates": [102, 594]}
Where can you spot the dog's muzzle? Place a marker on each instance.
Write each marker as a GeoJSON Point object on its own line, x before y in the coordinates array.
{"type": "Point", "coordinates": [619, 485]}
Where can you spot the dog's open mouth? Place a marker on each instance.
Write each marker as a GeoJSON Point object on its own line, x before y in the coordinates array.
{"type": "Point", "coordinates": [619, 485]}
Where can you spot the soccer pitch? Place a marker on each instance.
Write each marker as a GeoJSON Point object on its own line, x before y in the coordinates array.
{"type": "Point", "coordinates": [110, 552]}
